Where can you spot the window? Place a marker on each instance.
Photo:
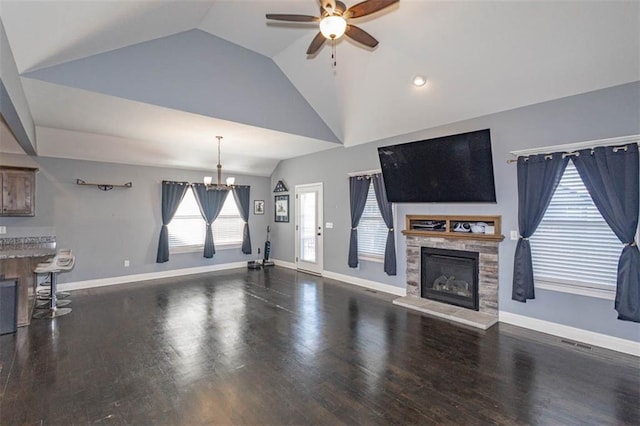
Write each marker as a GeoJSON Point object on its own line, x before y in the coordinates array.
{"type": "Point", "coordinates": [187, 229]}
{"type": "Point", "coordinates": [372, 231]}
{"type": "Point", "coordinates": [573, 246]}
{"type": "Point", "coordinates": [228, 226]}
{"type": "Point", "coordinates": [187, 226]}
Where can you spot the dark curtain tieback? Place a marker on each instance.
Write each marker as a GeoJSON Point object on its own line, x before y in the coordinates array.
{"type": "Point", "coordinates": [524, 238]}
{"type": "Point", "coordinates": [633, 244]}
{"type": "Point", "coordinates": [390, 229]}
{"type": "Point", "coordinates": [354, 229]}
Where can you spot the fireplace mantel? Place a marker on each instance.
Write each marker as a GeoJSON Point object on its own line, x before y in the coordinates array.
{"type": "Point", "coordinates": [417, 225]}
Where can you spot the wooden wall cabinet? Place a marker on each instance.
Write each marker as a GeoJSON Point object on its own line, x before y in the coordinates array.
{"type": "Point", "coordinates": [18, 197]}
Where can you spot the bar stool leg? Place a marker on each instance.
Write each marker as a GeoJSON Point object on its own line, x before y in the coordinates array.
{"type": "Point", "coordinates": [46, 294]}
{"type": "Point", "coordinates": [54, 289]}
{"type": "Point", "coordinates": [46, 303]}
{"type": "Point", "coordinates": [54, 311]}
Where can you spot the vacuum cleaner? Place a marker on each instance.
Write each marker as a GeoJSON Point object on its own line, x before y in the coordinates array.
{"type": "Point", "coordinates": [257, 264]}
{"type": "Point", "coordinates": [267, 250]}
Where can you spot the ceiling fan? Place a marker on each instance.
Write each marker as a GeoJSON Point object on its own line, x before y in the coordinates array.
{"type": "Point", "coordinates": [333, 19]}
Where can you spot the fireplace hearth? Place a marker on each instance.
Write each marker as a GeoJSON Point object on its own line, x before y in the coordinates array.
{"type": "Point", "coordinates": [450, 276]}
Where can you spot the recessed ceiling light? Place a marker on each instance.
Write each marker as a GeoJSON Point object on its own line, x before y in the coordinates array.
{"type": "Point", "coordinates": [419, 81]}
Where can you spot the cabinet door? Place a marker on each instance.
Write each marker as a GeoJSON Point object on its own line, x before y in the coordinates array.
{"type": "Point", "coordinates": [18, 193]}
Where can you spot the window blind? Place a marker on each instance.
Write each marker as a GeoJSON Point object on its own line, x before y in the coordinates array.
{"type": "Point", "coordinates": [573, 243]}
{"type": "Point", "coordinates": [372, 231]}
{"type": "Point", "coordinates": [228, 226]}
{"type": "Point", "coordinates": [188, 227]}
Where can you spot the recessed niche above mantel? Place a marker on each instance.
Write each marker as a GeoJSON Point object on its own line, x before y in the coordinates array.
{"type": "Point", "coordinates": [446, 226]}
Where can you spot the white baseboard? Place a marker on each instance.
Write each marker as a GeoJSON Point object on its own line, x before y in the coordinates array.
{"type": "Point", "coordinates": [596, 339]}
{"type": "Point", "coordinates": [289, 265]}
{"type": "Point", "coordinates": [373, 285]}
{"type": "Point", "coordinates": [123, 279]}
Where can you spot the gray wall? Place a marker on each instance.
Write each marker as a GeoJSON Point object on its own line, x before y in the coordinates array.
{"type": "Point", "coordinates": [601, 114]}
{"type": "Point", "coordinates": [105, 228]}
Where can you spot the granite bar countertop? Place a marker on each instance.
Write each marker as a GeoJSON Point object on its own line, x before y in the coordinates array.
{"type": "Point", "coordinates": [14, 248]}
{"type": "Point", "coordinates": [27, 252]}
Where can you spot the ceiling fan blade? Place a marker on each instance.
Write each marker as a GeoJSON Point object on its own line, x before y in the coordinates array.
{"type": "Point", "coordinates": [368, 7]}
{"type": "Point", "coordinates": [292, 18]}
{"type": "Point", "coordinates": [361, 36]}
{"type": "Point", "coordinates": [316, 44]}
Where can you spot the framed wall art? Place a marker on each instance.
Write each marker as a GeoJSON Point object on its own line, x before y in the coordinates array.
{"type": "Point", "coordinates": [281, 207]}
{"type": "Point", "coordinates": [258, 206]}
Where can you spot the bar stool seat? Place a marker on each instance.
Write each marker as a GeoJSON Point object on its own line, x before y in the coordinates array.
{"type": "Point", "coordinates": [62, 262]}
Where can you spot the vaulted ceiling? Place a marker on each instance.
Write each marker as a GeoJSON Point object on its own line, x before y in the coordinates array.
{"type": "Point", "coordinates": [152, 82]}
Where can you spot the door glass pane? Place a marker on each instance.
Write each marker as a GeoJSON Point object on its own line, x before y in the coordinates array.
{"type": "Point", "coordinates": [308, 226]}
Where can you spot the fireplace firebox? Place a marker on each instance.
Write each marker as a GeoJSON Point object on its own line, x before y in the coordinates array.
{"type": "Point", "coordinates": [450, 276]}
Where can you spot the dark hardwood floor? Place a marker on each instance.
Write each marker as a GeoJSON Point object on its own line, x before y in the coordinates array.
{"type": "Point", "coordinates": [280, 347]}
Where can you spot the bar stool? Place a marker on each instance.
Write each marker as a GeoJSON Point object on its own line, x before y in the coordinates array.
{"type": "Point", "coordinates": [44, 295]}
{"type": "Point", "coordinates": [60, 263]}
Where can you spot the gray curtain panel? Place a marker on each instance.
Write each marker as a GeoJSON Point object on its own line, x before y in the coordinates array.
{"type": "Point", "coordinates": [358, 189]}
{"type": "Point", "coordinates": [538, 178]}
{"type": "Point", "coordinates": [210, 203]}
{"type": "Point", "coordinates": [242, 196]}
{"type": "Point", "coordinates": [386, 211]}
{"type": "Point", "coordinates": [172, 195]}
{"type": "Point", "coordinates": [611, 177]}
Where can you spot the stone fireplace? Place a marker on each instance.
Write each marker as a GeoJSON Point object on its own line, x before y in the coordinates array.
{"type": "Point", "coordinates": [453, 275]}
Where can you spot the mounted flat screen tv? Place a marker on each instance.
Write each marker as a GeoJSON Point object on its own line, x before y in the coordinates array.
{"type": "Point", "coordinates": [449, 169]}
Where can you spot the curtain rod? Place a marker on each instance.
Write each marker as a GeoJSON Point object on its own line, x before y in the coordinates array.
{"type": "Point", "coordinates": [364, 173]}
{"type": "Point", "coordinates": [198, 183]}
{"type": "Point", "coordinates": [548, 156]}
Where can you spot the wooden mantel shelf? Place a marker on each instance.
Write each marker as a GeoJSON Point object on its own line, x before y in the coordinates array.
{"type": "Point", "coordinates": [443, 226]}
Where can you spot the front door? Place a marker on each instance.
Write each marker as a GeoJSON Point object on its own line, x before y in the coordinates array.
{"type": "Point", "coordinates": [309, 232]}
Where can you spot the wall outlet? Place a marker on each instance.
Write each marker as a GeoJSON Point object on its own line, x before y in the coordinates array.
{"type": "Point", "coordinates": [328, 225]}
{"type": "Point", "coordinates": [126, 263]}
{"type": "Point", "coordinates": [3, 229]}
{"type": "Point", "coordinates": [514, 235]}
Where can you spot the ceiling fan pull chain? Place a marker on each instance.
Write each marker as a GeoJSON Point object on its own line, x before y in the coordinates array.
{"type": "Point", "coordinates": [334, 55]}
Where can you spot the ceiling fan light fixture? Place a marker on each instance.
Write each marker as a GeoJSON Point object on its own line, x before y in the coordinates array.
{"type": "Point", "coordinates": [333, 27]}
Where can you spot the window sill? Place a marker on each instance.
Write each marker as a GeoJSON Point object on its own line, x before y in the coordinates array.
{"type": "Point", "coordinates": [589, 290]}
{"type": "Point", "coordinates": [371, 258]}
{"type": "Point", "coordinates": [195, 249]}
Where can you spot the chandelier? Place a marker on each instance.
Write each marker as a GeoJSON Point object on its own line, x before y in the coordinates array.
{"type": "Point", "coordinates": [208, 180]}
